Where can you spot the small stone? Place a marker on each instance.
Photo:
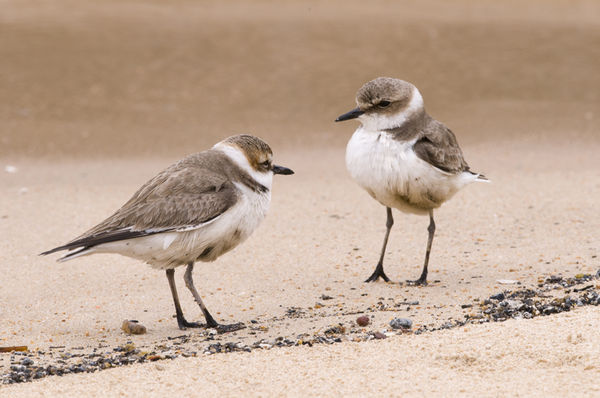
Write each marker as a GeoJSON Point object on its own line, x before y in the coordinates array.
{"type": "Point", "coordinates": [554, 279]}
{"type": "Point", "coordinates": [379, 335]}
{"type": "Point", "coordinates": [499, 297]}
{"type": "Point", "coordinates": [133, 327]}
{"type": "Point", "coordinates": [17, 368]}
{"type": "Point", "coordinates": [507, 281]}
{"type": "Point", "coordinates": [362, 320]}
{"type": "Point", "coordinates": [514, 305]}
{"type": "Point", "coordinates": [27, 362]}
{"type": "Point", "coordinates": [401, 323]}
{"type": "Point", "coordinates": [129, 347]}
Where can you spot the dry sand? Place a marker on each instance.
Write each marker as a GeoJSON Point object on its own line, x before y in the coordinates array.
{"type": "Point", "coordinates": [99, 97]}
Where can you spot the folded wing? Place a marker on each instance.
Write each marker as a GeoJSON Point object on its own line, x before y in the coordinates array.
{"type": "Point", "coordinates": [175, 199]}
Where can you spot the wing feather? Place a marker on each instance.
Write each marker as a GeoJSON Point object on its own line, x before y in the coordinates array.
{"type": "Point", "coordinates": [185, 195]}
{"type": "Point", "coordinates": [438, 146]}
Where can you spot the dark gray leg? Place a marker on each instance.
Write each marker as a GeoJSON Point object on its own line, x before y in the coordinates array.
{"type": "Point", "coordinates": [423, 278]}
{"type": "Point", "coordinates": [181, 322]}
{"type": "Point", "coordinates": [210, 321]}
{"type": "Point", "coordinates": [379, 269]}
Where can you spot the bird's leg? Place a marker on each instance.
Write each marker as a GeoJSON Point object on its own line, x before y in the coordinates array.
{"type": "Point", "coordinates": [423, 278]}
{"type": "Point", "coordinates": [181, 322]}
{"type": "Point", "coordinates": [379, 269]}
{"type": "Point", "coordinates": [210, 321]}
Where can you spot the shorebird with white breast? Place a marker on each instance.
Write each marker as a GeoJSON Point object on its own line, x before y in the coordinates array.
{"type": "Point", "coordinates": [195, 210]}
{"type": "Point", "coordinates": [403, 157]}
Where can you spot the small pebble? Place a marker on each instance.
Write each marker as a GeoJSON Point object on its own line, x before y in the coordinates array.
{"type": "Point", "coordinates": [362, 320]}
{"type": "Point", "coordinates": [499, 296]}
{"type": "Point", "coordinates": [133, 327]}
{"type": "Point", "coordinates": [401, 323]}
{"type": "Point", "coordinates": [379, 335]}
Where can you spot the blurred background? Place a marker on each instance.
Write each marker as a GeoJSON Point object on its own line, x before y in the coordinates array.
{"type": "Point", "coordinates": [154, 78]}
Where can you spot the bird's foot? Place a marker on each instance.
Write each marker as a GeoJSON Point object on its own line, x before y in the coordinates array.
{"type": "Point", "coordinates": [378, 273]}
{"type": "Point", "coordinates": [418, 282]}
{"type": "Point", "coordinates": [183, 324]}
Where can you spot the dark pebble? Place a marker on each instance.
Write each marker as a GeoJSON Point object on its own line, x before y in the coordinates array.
{"type": "Point", "coordinates": [362, 320]}
{"type": "Point", "coordinates": [17, 368]}
{"type": "Point", "coordinates": [499, 296]}
{"type": "Point", "coordinates": [554, 279]}
{"type": "Point", "coordinates": [401, 323]}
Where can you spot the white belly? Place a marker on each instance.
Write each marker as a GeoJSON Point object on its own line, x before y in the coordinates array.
{"type": "Point", "coordinates": [204, 243]}
{"type": "Point", "coordinates": [390, 171]}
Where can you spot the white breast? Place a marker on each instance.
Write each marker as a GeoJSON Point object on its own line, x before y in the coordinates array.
{"type": "Point", "coordinates": [390, 171]}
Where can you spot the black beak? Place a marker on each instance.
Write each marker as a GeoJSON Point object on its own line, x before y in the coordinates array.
{"type": "Point", "coordinates": [353, 114]}
{"type": "Point", "coordinates": [282, 170]}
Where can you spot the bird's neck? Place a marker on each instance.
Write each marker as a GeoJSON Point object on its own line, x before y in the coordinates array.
{"type": "Point", "coordinates": [411, 127]}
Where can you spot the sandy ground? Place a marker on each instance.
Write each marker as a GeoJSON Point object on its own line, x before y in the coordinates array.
{"type": "Point", "coordinates": [516, 358]}
{"type": "Point", "coordinates": [100, 97]}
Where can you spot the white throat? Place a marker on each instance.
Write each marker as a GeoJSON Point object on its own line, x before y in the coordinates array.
{"type": "Point", "coordinates": [239, 158]}
{"type": "Point", "coordinates": [379, 122]}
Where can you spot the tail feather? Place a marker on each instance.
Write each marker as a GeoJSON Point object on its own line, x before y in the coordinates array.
{"type": "Point", "coordinates": [56, 249]}
{"type": "Point", "coordinates": [87, 242]}
{"type": "Point", "coordinates": [479, 177]}
{"type": "Point", "coordinates": [84, 251]}
{"type": "Point", "coordinates": [482, 178]}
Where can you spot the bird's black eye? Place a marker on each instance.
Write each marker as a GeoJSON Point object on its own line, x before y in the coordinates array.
{"type": "Point", "coordinates": [383, 104]}
{"type": "Point", "coordinates": [266, 164]}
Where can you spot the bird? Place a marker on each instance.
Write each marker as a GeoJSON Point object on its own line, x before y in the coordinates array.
{"type": "Point", "coordinates": [195, 210]}
{"type": "Point", "coordinates": [403, 158]}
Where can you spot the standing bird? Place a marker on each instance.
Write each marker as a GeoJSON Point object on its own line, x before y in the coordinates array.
{"type": "Point", "coordinates": [403, 157]}
{"type": "Point", "coordinates": [195, 210]}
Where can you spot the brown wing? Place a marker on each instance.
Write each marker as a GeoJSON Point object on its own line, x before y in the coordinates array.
{"type": "Point", "coordinates": [438, 147]}
{"type": "Point", "coordinates": [184, 195]}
